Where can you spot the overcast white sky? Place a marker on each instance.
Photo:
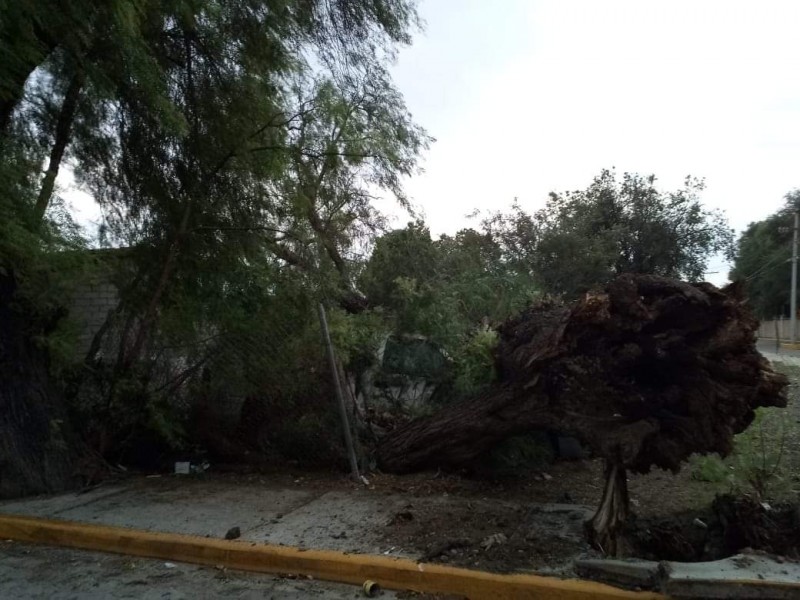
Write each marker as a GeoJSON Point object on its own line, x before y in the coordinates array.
{"type": "Point", "coordinates": [529, 96]}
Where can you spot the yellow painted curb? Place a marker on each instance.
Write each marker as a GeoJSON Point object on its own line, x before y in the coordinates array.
{"type": "Point", "coordinates": [392, 573]}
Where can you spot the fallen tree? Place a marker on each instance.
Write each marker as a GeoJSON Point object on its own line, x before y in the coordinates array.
{"type": "Point", "coordinates": [646, 372]}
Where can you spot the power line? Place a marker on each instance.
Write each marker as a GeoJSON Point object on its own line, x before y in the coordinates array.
{"type": "Point", "coordinates": [766, 267]}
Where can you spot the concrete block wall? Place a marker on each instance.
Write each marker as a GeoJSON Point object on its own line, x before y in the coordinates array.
{"type": "Point", "coordinates": [89, 307]}
{"type": "Point", "coordinates": [768, 329]}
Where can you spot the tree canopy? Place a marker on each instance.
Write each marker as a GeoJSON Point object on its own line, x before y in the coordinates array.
{"type": "Point", "coordinates": [234, 147]}
{"type": "Point", "coordinates": [212, 133]}
{"type": "Point", "coordinates": [582, 239]}
{"type": "Point", "coordinates": [762, 260]}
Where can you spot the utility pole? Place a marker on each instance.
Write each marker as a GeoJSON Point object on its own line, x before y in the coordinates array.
{"type": "Point", "coordinates": [794, 278]}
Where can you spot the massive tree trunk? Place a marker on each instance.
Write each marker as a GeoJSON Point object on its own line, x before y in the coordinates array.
{"type": "Point", "coordinates": [646, 373]}
{"type": "Point", "coordinates": [39, 451]}
{"type": "Point", "coordinates": [66, 116]}
{"type": "Point", "coordinates": [461, 433]}
{"type": "Point", "coordinates": [604, 529]}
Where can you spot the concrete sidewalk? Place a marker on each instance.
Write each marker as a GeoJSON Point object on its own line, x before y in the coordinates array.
{"type": "Point", "coordinates": [173, 504]}
{"type": "Point", "coordinates": [336, 520]}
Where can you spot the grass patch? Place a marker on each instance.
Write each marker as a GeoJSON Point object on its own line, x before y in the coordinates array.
{"type": "Point", "coordinates": [765, 463]}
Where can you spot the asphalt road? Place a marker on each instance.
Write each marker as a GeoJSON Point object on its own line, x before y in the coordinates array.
{"type": "Point", "coordinates": [768, 347]}
{"type": "Point", "coordinates": [29, 572]}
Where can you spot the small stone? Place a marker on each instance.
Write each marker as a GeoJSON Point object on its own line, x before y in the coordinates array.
{"type": "Point", "coordinates": [547, 476]}
{"type": "Point", "coordinates": [233, 533]}
{"type": "Point", "coordinates": [494, 540]}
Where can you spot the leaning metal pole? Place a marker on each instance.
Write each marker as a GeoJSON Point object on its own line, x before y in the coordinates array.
{"type": "Point", "coordinates": [794, 279]}
{"type": "Point", "coordinates": [348, 436]}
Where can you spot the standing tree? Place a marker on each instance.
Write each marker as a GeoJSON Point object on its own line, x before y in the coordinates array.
{"type": "Point", "coordinates": [187, 124]}
{"type": "Point", "coordinates": [587, 237]}
{"type": "Point", "coordinates": [443, 288]}
{"type": "Point", "coordinates": [762, 260]}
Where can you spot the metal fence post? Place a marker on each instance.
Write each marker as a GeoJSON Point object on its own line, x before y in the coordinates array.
{"type": "Point", "coordinates": [337, 384]}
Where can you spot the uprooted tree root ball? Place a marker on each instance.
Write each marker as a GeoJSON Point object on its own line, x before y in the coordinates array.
{"type": "Point", "coordinates": [646, 372]}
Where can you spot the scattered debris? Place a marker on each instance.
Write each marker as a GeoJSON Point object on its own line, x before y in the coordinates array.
{"type": "Point", "coordinates": [371, 589]}
{"type": "Point", "coordinates": [404, 516]}
{"type": "Point", "coordinates": [565, 498]}
{"type": "Point", "coordinates": [494, 540]}
{"type": "Point", "coordinates": [732, 578]}
{"type": "Point", "coordinates": [200, 467]}
{"type": "Point", "coordinates": [441, 548]}
{"type": "Point", "coordinates": [169, 565]}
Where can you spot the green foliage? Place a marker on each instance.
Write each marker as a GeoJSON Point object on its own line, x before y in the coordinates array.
{"type": "Point", "coordinates": [584, 238]}
{"type": "Point", "coordinates": [482, 280]}
{"type": "Point", "coordinates": [236, 148]}
{"type": "Point", "coordinates": [762, 260]}
{"type": "Point", "coordinates": [473, 362]}
{"type": "Point", "coordinates": [444, 288]}
{"type": "Point", "coordinates": [758, 464]}
{"type": "Point", "coordinates": [356, 337]}
{"type": "Point", "coordinates": [401, 269]}
{"type": "Point", "coordinates": [710, 468]}
{"type": "Point", "coordinates": [166, 422]}
{"type": "Point", "coordinates": [45, 261]}
{"type": "Point", "coordinates": [449, 291]}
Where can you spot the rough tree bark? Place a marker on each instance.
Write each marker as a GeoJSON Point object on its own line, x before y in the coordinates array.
{"type": "Point", "coordinates": [604, 528]}
{"type": "Point", "coordinates": [646, 372]}
{"type": "Point", "coordinates": [66, 116]}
